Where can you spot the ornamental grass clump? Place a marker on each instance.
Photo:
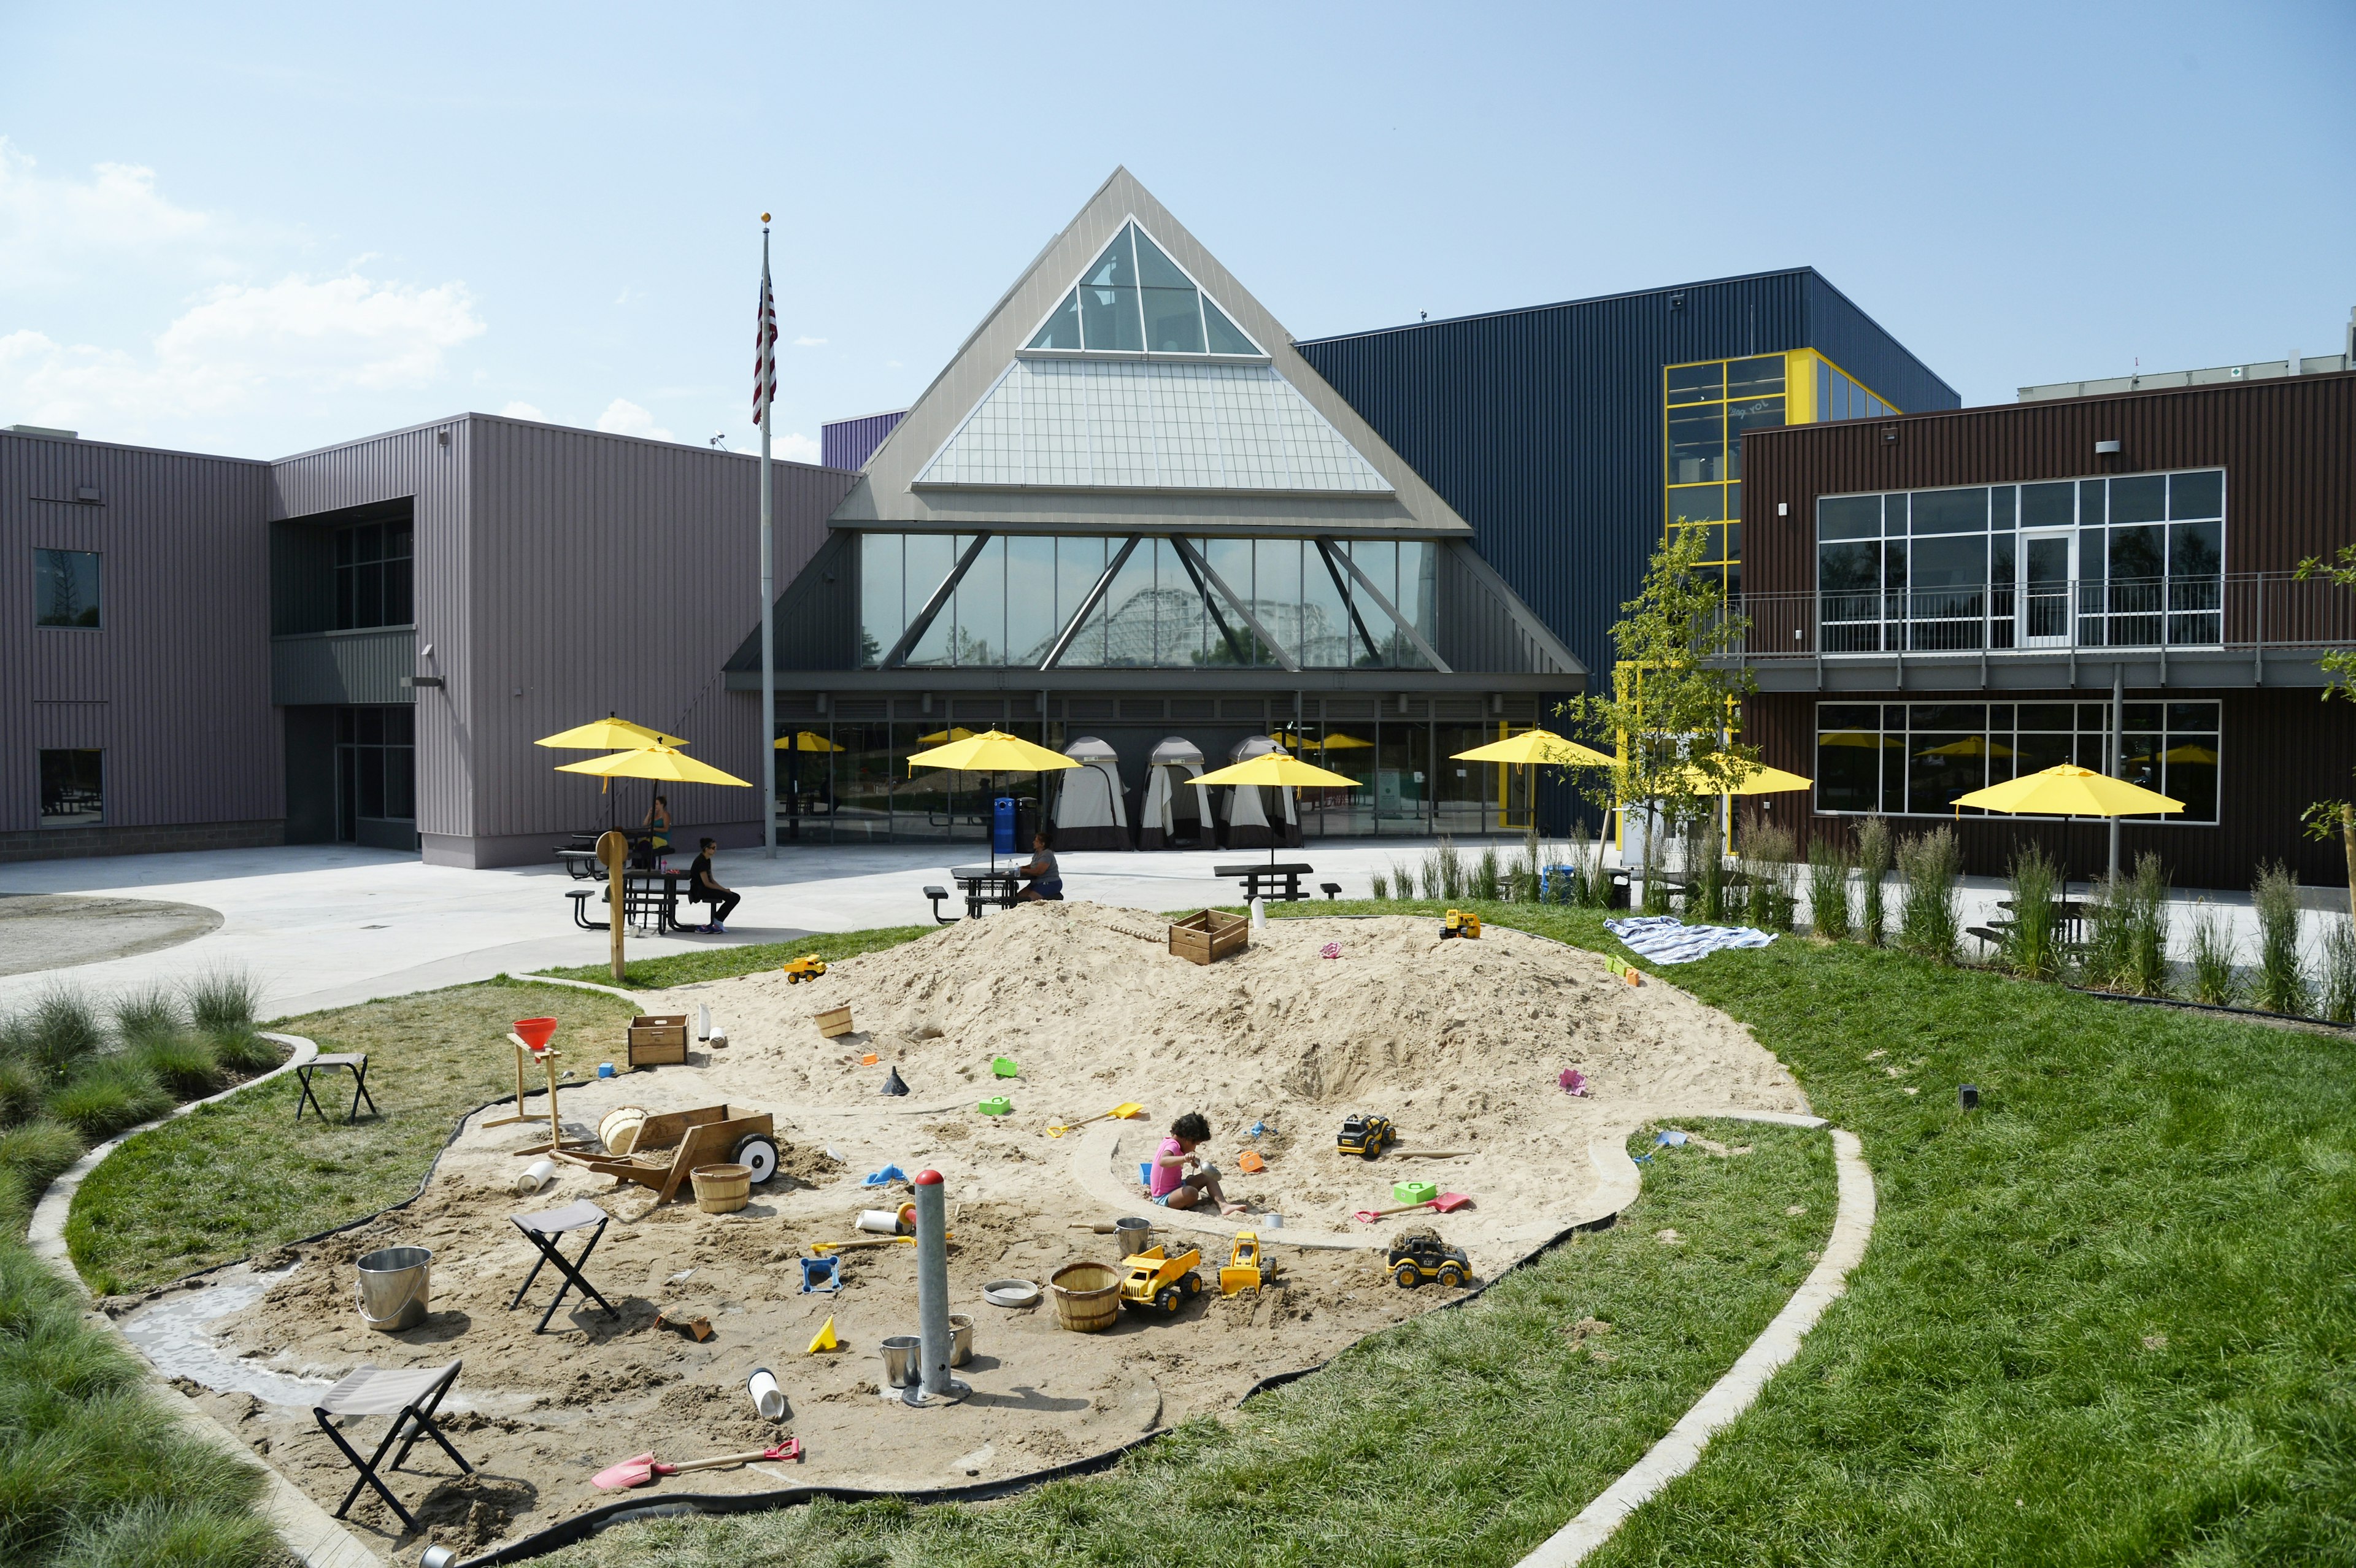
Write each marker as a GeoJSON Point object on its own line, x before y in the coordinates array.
{"type": "Point", "coordinates": [2339, 970]}
{"type": "Point", "coordinates": [1829, 865]}
{"type": "Point", "coordinates": [1379, 887]}
{"type": "Point", "coordinates": [2281, 981]}
{"type": "Point", "coordinates": [2214, 980]}
{"type": "Point", "coordinates": [2033, 947]}
{"type": "Point", "coordinates": [1873, 857]}
{"type": "Point", "coordinates": [1402, 881]}
{"type": "Point", "coordinates": [2146, 969]}
{"type": "Point", "coordinates": [1768, 860]}
{"type": "Point", "coordinates": [1488, 879]}
{"type": "Point", "coordinates": [1706, 849]}
{"type": "Point", "coordinates": [224, 1001]}
{"type": "Point", "coordinates": [1929, 915]}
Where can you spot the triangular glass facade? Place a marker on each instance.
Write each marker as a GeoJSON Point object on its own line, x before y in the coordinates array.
{"type": "Point", "coordinates": [1134, 297]}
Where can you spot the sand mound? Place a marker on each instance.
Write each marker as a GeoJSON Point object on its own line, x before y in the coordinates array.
{"type": "Point", "coordinates": [1459, 1042]}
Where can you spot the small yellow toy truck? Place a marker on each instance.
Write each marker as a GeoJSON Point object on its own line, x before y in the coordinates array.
{"type": "Point", "coordinates": [1157, 1280]}
{"type": "Point", "coordinates": [1366, 1136]}
{"type": "Point", "coordinates": [807, 967]}
{"type": "Point", "coordinates": [1460, 923]}
{"type": "Point", "coordinates": [1248, 1268]}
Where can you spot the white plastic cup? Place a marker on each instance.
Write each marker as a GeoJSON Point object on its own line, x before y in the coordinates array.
{"type": "Point", "coordinates": [539, 1173]}
{"type": "Point", "coordinates": [767, 1397]}
{"type": "Point", "coordinates": [703, 1020]}
{"type": "Point", "coordinates": [1273, 1222]}
{"type": "Point", "coordinates": [883, 1222]}
{"type": "Point", "coordinates": [1258, 916]}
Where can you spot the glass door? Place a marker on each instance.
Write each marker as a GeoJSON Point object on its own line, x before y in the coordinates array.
{"type": "Point", "coordinates": [2048, 568]}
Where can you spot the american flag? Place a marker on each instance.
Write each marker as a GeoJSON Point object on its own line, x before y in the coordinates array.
{"type": "Point", "coordinates": [764, 347]}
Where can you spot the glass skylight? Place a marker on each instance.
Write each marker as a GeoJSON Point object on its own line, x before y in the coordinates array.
{"type": "Point", "coordinates": [1134, 297]}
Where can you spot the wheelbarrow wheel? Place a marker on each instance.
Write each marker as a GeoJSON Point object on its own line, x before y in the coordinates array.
{"type": "Point", "coordinates": [757, 1152]}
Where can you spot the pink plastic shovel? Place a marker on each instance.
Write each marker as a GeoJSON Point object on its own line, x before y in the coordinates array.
{"type": "Point", "coordinates": [1447, 1203]}
{"type": "Point", "coordinates": [644, 1468]}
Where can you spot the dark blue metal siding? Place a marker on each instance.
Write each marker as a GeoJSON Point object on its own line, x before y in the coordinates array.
{"type": "Point", "coordinates": [849, 444]}
{"type": "Point", "coordinates": [1542, 426]}
{"type": "Point", "coordinates": [1852, 340]}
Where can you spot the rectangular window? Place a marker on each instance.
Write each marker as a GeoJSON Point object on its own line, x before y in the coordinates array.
{"type": "Point", "coordinates": [2043, 565]}
{"type": "Point", "coordinates": [73, 789]}
{"type": "Point", "coordinates": [1914, 759]}
{"type": "Point", "coordinates": [65, 588]}
{"type": "Point", "coordinates": [372, 576]}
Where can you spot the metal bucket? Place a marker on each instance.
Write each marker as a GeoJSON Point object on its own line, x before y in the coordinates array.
{"type": "Point", "coordinates": [394, 1286]}
{"type": "Point", "coordinates": [960, 1339]}
{"type": "Point", "coordinates": [1134, 1235]}
{"type": "Point", "coordinates": [901, 1353]}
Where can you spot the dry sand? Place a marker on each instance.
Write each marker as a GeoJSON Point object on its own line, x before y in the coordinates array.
{"type": "Point", "coordinates": [1459, 1042]}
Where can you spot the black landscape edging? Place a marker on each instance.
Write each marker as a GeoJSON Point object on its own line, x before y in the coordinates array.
{"type": "Point", "coordinates": [2259, 1015]}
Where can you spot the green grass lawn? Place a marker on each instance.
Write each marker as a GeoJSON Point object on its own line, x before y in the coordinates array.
{"type": "Point", "coordinates": [720, 962]}
{"type": "Point", "coordinates": [230, 1179]}
{"type": "Point", "coordinates": [1458, 1437]}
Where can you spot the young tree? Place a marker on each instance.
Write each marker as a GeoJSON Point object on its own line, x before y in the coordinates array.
{"type": "Point", "coordinates": [1672, 696]}
{"type": "Point", "coordinates": [2330, 819]}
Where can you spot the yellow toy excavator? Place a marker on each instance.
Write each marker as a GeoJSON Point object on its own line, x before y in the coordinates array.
{"type": "Point", "coordinates": [1247, 1267]}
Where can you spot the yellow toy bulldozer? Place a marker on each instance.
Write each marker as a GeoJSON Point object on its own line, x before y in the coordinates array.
{"type": "Point", "coordinates": [1247, 1267]}
{"type": "Point", "coordinates": [1156, 1280]}
{"type": "Point", "coordinates": [1460, 923]}
{"type": "Point", "coordinates": [807, 967]}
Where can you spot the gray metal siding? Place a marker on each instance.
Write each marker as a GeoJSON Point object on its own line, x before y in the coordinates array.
{"type": "Point", "coordinates": [1856, 342]}
{"type": "Point", "coordinates": [175, 686]}
{"type": "Point", "coordinates": [849, 444]}
{"type": "Point", "coordinates": [1542, 426]}
{"type": "Point", "coordinates": [613, 574]}
{"type": "Point", "coordinates": [342, 668]}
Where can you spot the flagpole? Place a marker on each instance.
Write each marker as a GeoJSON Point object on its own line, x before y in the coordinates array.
{"type": "Point", "coordinates": [767, 753]}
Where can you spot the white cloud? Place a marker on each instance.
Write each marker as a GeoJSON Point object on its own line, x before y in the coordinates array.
{"type": "Point", "coordinates": [794, 447]}
{"type": "Point", "coordinates": [809, 342]}
{"type": "Point", "coordinates": [239, 346]}
{"type": "Point", "coordinates": [55, 231]}
{"type": "Point", "coordinates": [522, 411]}
{"type": "Point", "coordinates": [623, 417]}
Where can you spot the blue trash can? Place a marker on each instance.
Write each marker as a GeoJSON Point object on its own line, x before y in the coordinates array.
{"type": "Point", "coordinates": [1003, 826]}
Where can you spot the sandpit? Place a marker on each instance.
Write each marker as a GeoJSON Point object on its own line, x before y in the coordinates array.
{"type": "Point", "coordinates": [1459, 1042]}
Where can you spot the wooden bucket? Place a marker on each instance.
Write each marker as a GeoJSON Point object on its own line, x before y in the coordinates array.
{"type": "Point", "coordinates": [1088, 1297]}
{"type": "Point", "coordinates": [619, 1128]}
{"type": "Point", "coordinates": [722, 1188]}
{"type": "Point", "coordinates": [833, 1022]}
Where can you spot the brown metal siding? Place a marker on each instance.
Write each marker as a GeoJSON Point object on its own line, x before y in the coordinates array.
{"type": "Point", "coordinates": [2278, 751]}
{"type": "Point", "coordinates": [2288, 446]}
{"type": "Point", "coordinates": [175, 687]}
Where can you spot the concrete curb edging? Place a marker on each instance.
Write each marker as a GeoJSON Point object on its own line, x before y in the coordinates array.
{"type": "Point", "coordinates": [581, 985]}
{"type": "Point", "coordinates": [305, 1528]}
{"type": "Point", "coordinates": [1681, 1447]}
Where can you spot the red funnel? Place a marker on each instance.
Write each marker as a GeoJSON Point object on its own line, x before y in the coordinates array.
{"type": "Point", "coordinates": [536, 1032]}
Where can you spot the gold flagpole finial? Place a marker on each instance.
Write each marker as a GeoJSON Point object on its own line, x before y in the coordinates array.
{"type": "Point", "coordinates": [764, 218]}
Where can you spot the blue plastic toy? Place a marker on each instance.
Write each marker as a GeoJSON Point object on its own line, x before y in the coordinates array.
{"type": "Point", "coordinates": [823, 1275]}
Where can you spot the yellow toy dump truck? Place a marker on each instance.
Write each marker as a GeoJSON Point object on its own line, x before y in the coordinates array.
{"type": "Point", "coordinates": [1157, 1280]}
{"type": "Point", "coordinates": [1248, 1268]}
{"type": "Point", "coordinates": [807, 967]}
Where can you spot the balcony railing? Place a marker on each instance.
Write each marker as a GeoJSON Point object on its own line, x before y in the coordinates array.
{"type": "Point", "coordinates": [2254, 611]}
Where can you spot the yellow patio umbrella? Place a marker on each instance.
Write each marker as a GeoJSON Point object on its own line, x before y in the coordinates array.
{"type": "Point", "coordinates": [991, 752]}
{"type": "Point", "coordinates": [2069, 791]}
{"type": "Point", "coordinates": [942, 737]}
{"type": "Point", "coordinates": [1341, 743]}
{"type": "Point", "coordinates": [666, 763]}
{"type": "Point", "coordinates": [1758, 778]}
{"type": "Point", "coordinates": [1278, 768]}
{"type": "Point", "coordinates": [1969, 746]}
{"type": "Point", "coordinates": [1542, 747]}
{"type": "Point", "coordinates": [608, 734]}
{"type": "Point", "coordinates": [804, 741]}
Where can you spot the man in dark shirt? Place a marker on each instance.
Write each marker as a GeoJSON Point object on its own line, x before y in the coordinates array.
{"type": "Point", "coordinates": [703, 888]}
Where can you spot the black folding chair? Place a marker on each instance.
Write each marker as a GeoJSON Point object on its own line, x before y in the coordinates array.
{"type": "Point", "coordinates": [411, 1398]}
{"type": "Point", "coordinates": [545, 1231]}
{"type": "Point", "coordinates": [352, 1062]}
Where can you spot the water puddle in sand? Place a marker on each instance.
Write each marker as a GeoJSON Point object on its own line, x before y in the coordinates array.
{"type": "Point", "coordinates": [175, 1334]}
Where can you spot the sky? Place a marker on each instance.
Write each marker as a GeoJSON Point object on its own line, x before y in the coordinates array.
{"type": "Point", "coordinates": [256, 229]}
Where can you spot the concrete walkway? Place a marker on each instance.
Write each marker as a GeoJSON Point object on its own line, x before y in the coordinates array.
{"type": "Point", "coordinates": [325, 926]}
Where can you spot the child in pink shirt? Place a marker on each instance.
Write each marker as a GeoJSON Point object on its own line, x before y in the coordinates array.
{"type": "Point", "coordinates": [1172, 1186]}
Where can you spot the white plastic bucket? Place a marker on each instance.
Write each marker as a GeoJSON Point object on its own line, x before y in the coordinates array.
{"type": "Point", "coordinates": [539, 1173]}
{"type": "Point", "coordinates": [767, 1397]}
{"type": "Point", "coordinates": [882, 1222]}
{"type": "Point", "coordinates": [394, 1287]}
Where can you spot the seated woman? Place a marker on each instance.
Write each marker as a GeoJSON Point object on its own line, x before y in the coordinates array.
{"type": "Point", "coordinates": [1046, 879]}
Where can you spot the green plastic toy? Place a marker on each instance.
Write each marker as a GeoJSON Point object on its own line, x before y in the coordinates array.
{"type": "Point", "coordinates": [999, 1105]}
{"type": "Point", "coordinates": [1414, 1191]}
{"type": "Point", "coordinates": [1004, 1067]}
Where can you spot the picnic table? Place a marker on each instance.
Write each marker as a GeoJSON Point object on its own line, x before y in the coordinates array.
{"type": "Point", "coordinates": [2070, 916]}
{"type": "Point", "coordinates": [986, 885]}
{"type": "Point", "coordinates": [1281, 881]}
{"type": "Point", "coordinates": [649, 899]}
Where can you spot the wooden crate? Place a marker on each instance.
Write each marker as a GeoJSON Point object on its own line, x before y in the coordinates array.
{"type": "Point", "coordinates": [1208, 935]}
{"type": "Point", "coordinates": [659, 1040]}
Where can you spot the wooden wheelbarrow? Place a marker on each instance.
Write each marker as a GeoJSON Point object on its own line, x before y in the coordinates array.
{"type": "Point", "coordinates": [673, 1145]}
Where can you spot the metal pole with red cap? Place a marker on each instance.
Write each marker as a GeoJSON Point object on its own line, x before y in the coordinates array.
{"type": "Point", "coordinates": [933, 1297]}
